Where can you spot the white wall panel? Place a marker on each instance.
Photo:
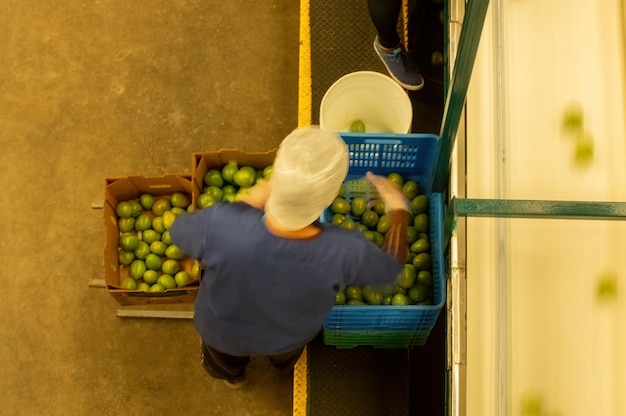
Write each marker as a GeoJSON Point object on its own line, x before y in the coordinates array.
{"type": "Point", "coordinates": [562, 347]}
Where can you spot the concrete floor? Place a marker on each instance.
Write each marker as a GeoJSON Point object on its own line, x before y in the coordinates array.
{"type": "Point", "coordinates": [90, 90]}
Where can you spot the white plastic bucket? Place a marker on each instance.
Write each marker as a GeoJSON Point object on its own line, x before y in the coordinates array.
{"type": "Point", "coordinates": [371, 97]}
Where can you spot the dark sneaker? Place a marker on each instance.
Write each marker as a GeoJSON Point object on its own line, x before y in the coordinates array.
{"type": "Point", "coordinates": [401, 67]}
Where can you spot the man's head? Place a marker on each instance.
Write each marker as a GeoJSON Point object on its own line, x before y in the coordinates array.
{"type": "Point", "coordinates": [310, 166]}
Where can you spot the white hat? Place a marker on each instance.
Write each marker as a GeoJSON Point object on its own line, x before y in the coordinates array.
{"type": "Point", "coordinates": [309, 168]}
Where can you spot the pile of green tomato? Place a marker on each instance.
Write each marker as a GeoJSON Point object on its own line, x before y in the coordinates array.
{"type": "Point", "coordinates": [414, 285]}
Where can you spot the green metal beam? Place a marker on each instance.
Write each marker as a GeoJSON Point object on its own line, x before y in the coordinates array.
{"type": "Point", "coordinates": [520, 208]}
{"type": "Point", "coordinates": [475, 12]}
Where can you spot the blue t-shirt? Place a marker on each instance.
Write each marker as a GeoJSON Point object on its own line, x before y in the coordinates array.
{"type": "Point", "coordinates": [262, 294]}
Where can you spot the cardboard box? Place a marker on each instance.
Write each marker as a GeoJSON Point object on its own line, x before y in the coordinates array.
{"type": "Point", "coordinates": [125, 188]}
{"type": "Point", "coordinates": [203, 162]}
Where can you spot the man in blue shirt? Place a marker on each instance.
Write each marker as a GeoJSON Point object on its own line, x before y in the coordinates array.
{"type": "Point", "coordinates": [272, 270]}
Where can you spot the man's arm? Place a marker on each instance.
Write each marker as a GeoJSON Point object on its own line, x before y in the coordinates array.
{"type": "Point", "coordinates": [397, 209]}
{"type": "Point", "coordinates": [395, 240]}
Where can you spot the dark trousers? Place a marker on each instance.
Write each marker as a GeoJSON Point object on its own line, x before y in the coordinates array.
{"type": "Point", "coordinates": [232, 368]}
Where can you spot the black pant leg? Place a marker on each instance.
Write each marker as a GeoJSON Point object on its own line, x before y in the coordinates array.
{"type": "Point", "coordinates": [223, 366]}
{"type": "Point", "coordinates": [287, 360]}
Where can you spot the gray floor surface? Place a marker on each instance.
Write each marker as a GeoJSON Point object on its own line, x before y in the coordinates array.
{"type": "Point", "coordinates": [90, 90]}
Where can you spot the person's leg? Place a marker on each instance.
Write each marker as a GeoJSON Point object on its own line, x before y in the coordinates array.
{"type": "Point", "coordinates": [384, 15]}
{"type": "Point", "coordinates": [400, 65]}
{"type": "Point", "coordinates": [286, 361]}
{"type": "Point", "coordinates": [223, 366]}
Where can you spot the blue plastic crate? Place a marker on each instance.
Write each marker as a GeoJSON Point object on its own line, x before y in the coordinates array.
{"type": "Point", "coordinates": [380, 326]}
{"type": "Point", "coordinates": [413, 155]}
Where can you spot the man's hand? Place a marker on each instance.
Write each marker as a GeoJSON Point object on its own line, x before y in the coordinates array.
{"type": "Point", "coordinates": [258, 194]}
{"type": "Point", "coordinates": [391, 195]}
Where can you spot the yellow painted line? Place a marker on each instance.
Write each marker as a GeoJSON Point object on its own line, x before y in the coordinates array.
{"type": "Point", "coordinates": [304, 70]}
{"type": "Point", "coordinates": [300, 388]}
{"type": "Point", "coordinates": [300, 376]}
{"type": "Point", "coordinates": [404, 14]}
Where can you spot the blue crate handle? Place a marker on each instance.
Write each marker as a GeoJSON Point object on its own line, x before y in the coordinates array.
{"type": "Point", "coordinates": [382, 141]}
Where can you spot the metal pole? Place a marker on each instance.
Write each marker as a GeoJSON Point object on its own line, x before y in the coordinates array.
{"type": "Point", "coordinates": [468, 44]}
